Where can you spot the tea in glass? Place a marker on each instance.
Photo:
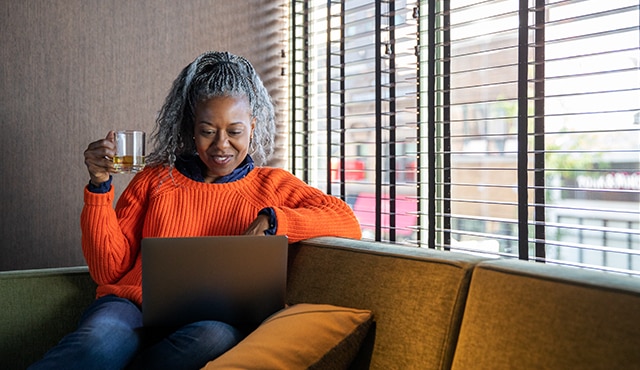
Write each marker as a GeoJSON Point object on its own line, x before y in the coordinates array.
{"type": "Point", "coordinates": [130, 151]}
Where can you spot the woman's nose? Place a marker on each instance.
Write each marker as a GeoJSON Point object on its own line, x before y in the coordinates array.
{"type": "Point", "coordinates": [221, 140]}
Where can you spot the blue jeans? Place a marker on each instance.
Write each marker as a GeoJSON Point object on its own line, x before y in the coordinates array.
{"type": "Point", "coordinates": [110, 336]}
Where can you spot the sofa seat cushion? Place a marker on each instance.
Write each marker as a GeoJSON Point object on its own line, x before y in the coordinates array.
{"type": "Point", "coordinates": [303, 336]}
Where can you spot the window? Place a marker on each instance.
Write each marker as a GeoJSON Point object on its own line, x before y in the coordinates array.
{"type": "Point", "coordinates": [504, 128]}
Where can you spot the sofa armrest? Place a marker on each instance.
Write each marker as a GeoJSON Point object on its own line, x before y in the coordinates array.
{"type": "Point", "coordinates": [37, 308]}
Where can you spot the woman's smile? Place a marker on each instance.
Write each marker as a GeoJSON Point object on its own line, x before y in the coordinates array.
{"type": "Point", "coordinates": [221, 159]}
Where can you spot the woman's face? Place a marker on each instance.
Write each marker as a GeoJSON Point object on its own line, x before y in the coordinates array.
{"type": "Point", "coordinates": [223, 130]}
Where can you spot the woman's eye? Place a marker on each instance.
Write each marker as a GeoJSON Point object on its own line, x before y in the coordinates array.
{"type": "Point", "coordinates": [207, 132]}
{"type": "Point", "coordinates": [235, 133]}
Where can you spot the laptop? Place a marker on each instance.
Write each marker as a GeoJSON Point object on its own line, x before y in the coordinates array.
{"type": "Point", "coordinates": [239, 280]}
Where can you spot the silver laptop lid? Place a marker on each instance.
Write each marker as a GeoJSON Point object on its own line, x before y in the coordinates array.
{"type": "Point", "coordinates": [240, 280]}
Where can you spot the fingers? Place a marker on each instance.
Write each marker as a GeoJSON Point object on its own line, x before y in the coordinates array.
{"type": "Point", "coordinates": [98, 157]}
{"type": "Point", "coordinates": [111, 136]}
{"type": "Point", "coordinates": [252, 230]}
{"type": "Point", "coordinates": [258, 226]}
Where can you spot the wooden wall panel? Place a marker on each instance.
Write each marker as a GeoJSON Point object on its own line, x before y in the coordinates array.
{"type": "Point", "coordinates": [70, 70]}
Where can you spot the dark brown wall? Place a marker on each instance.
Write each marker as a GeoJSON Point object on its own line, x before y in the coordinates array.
{"type": "Point", "coordinates": [70, 70]}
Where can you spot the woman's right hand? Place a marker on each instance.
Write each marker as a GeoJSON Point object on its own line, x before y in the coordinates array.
{"type": "Point", "coordinates": [99, 158]}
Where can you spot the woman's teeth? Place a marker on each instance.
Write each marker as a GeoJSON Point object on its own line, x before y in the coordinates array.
{"type": "Point", "coordinates": [221, 159]}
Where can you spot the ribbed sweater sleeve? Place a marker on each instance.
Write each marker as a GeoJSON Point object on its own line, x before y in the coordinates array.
{"type": "Point", "coordinates": [110, 238]}
{"type": "Point", "coordinates": [305, 212]}
{"type": "Point", "coordinates": [157, 203]}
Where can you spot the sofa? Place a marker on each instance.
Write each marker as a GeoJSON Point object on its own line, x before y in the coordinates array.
{"type": "Point", "coordinates": [429, 309]}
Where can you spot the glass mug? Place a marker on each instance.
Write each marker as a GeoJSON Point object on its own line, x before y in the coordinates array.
{"type": "Point", "coordinates": [130, 151]}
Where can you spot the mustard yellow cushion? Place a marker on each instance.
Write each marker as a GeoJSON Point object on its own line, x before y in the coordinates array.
{"type": "Point", "coordinates": [300, 337]}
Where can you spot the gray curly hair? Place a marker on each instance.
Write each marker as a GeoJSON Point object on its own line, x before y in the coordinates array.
{"type": "Point", "coordinates": [211, 74]}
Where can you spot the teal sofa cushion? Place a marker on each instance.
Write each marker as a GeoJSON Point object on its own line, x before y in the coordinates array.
{"type": "Point", "coordinates": [38, 307]}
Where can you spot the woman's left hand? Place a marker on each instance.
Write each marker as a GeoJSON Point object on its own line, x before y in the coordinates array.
{"type": "Point", "coordinates": [258, 226]}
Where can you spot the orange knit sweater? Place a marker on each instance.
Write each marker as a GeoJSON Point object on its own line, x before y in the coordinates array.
{"type": "Point", "coordinates": [157, 204]}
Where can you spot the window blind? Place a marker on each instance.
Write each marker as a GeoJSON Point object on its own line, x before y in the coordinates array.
{"type": "Point", "coordinates": [503, 128]}
{"type": "Point", "coordinates": [356, 132]}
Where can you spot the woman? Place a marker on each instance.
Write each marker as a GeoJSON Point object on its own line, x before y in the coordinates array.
{"type": "Point", "coordinates": [200, 179]}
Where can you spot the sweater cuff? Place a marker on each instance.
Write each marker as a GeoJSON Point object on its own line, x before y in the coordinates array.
{"type": "Point", "coordinates": [98, 199]}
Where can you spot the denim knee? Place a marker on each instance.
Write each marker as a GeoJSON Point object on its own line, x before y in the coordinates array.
{"type": "Point", "coordinates": [107, 337]}
{"type": "Point", "coordinates": [189, 347]}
